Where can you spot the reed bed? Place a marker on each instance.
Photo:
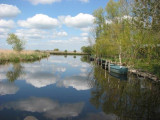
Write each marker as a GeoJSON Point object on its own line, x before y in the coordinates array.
{"type": "Point", "coordinates": [26, 55]}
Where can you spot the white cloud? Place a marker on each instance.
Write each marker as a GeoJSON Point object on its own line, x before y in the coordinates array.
{"type": "Point", "coordinates": [60, 34]}
{"type": "Point", "coordinates": [61, 69]}
{"type": "Point", "coordinates": [77, 82]}
{"type": "Point", "coordinates": [84, 34]}
{"type": "Point", "coordinates": [39, 78]}
{"type": "Point", "coordinates": [39, 21]}
{"type": "Point", "coordinates": [35, 2]}
{"type": "Point", "coordinates": [8, 88]}
{"type": "Point", "coordinates": [7, 11]}
{"type": "Point", "coordinates": [85, 1]}
{"type": "Point", "coordinates": [72, 40]}
{"type": "Point", "coordinates": [30, 34]}
{"type": "Point", "coordinates": [79, 21]}
{"type": "Point", "coordinates": [49, 108]}
{"type": "Point", "coordinates": [108, 21]}
{"type": "Point", "coordinates": [5, 27]}
{"type": "Point", "coordinates": [6, 23]}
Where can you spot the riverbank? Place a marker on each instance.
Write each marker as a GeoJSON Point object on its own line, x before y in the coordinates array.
{"type": "Point", "coordinates": [26, 55]}
{"type": "Point", "coordinates": [140, 70]}
{"type": "Point", "coordinates": [66, 53]}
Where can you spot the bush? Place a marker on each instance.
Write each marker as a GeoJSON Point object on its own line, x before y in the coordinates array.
{"type": "Point", "coordinates": [56, 49]}
{"type": "Point", "coordinates": [86, 49]}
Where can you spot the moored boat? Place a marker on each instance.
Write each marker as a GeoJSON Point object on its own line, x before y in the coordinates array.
{"type": "Point", "coordinates": [118, 69]}
{"type": "Point", "coordinates": [119, 76]}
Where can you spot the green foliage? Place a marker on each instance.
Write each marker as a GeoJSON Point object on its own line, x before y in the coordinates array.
{"type": "Point", "coordinates": [14, 74]}
{"type": "Point", "coordinates": [112, 9]}
{"type": "Point", "coordinates": [17, 44]}
{"type": "Point", "coordinates": [37, 50]}
{"type": "Point", "coordinates": [65, 51]}
{"type": "Point", "coordinates": [130, 33]}
{"type": "Point", "coordinates": [56, 49]}
{"type": "Point", "coordinates": [74, 51]}
{"type": "Point", "coordinates": [87, 49]}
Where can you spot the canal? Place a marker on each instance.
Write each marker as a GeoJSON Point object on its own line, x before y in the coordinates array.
{"type": "Point", "coordinates": [73, 88]}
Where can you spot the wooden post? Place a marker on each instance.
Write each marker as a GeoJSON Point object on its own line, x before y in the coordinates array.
{"type": "Point", "coordinates": [106, 65]}
{"type": "Point", "coordinates": [101, 62]}
{"type": "Point", "coordinates": [109, 66]}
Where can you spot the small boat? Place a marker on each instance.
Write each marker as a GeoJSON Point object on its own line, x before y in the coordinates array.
{"type": "Point", "coordinates": [118, 76]}
{"type": "Point", "coordinates": [118, 69]}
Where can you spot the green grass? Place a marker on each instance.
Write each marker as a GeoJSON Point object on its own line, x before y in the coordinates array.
{"type": "Point", "coordinates": [21, 57]}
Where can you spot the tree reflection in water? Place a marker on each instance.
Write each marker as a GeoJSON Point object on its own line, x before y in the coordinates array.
{"type": "Point", "coordinates": [134, 99]}
{"type": "Point", "coordinates": [15, 73]}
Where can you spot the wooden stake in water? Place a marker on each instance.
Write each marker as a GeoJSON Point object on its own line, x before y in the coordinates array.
{"type": "Point", "coordinates": [109, 66]}
{"type": "Point", "coordinates": [106, 65]}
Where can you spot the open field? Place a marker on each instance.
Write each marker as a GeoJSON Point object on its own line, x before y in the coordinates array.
{"type": "Point", "coordinates": [26, 55]}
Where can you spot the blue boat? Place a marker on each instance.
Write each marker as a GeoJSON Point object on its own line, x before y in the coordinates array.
{"type": "Point", "coordinates": [118, 69]}
{"type": "Point", "coordinates": [119, 76]}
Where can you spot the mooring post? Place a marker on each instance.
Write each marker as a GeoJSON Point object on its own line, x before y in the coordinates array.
{"type": "Point", "coordinates": [101, 62]}
{"type": "Point", "coordinates": [106, 65]}
{"type": "Point", "coordinates": [109, 66]}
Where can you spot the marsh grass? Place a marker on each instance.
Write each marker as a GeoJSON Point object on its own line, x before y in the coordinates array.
{"type": "Point", "coordinates": [27, 55]}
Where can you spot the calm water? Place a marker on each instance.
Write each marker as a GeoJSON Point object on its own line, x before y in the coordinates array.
{"type": "Point", "coordinates": [68, 88]}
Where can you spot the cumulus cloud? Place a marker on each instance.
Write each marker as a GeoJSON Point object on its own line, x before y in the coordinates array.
{"type": "Point", "coordinates": [6, 24]}
{"type": "Point", "coordinates": [5, 27]}
{"type": "Point", "coordinates": [8, 88]}
{"type": "Point", "coordinates": [35, 2]}
{"type": "Point", "coordinates": [61, 69]}
{"type": "Point", "coordinates": [108, 21]}
{"type": "Point", "coordinates": [79, 21]}
{"type": "Point", "coordinates": [85, 1]}
{"type": "Point", "coordinates": [60, 34]}
{"type": "Point", "coordinates": [30, 34]}
{"type": "Point", "coordinates": [7, 11]}
{"type": "Point", "coordinates": [39, 21]}
{"type": "Point", "coordinates": [70, 41]}
{"type": "Point", "coordinates": [39, 79]}
{"type": "Point", "coordinates": [50, 109]}
{"type": "Point", "coordinates": [84, 34]}
{"type": "Point", "coordinates": [77, 82]}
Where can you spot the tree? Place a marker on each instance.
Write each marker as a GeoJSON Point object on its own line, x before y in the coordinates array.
{"type": "Point", "coordinates": [87, 49]}
{"type": "Point", "coordinates": [56, 49]}
{"type": "Point", "coordinates": [65, 51]}
{"type": "Point", "coordinates": [74, 51]}
{"type": "Point", "coordinates": [17, 44]}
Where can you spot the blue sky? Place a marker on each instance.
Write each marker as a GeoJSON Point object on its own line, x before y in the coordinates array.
{"type": "Point", "coordinates": [48, 24]}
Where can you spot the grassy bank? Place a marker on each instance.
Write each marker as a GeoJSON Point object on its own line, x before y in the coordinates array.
{"type": "Point", "coordinates": [66, 53]}
{"type": "Point", "coordinates": [142, 65]}
{"type": "Point", "coordinates": [13, 56]}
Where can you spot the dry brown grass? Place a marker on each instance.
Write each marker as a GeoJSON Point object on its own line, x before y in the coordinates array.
{"type": "Point", "coordinates": [6, 52]}
{"type": "Point", "coordinates": [26, 55]}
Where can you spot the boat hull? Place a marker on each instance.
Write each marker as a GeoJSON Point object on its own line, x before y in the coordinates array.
{"type": "Point", "coordinates": [118, 69]}
{"type": "Point", "coordinates": [119, 76]}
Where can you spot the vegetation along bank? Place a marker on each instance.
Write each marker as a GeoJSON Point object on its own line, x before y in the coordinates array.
{"type": "Point", "coordinates": [14, 56]}
{"type": "Point", "coordinates": [127, 31]}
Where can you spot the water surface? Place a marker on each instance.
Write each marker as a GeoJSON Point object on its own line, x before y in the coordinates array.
{"type": "Point", "coordinates": [68, 87]}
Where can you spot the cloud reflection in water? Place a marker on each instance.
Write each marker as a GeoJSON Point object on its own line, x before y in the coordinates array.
{"type": "Point", "coordinates": [49, 108]}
